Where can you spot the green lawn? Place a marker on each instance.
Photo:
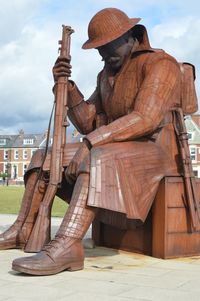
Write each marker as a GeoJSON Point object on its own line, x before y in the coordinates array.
{"type": "Point", "coordinates": [11, 196]}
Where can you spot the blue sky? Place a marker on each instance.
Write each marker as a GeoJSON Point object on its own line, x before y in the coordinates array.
{"type": "Point", "coordinates": [29, 34]}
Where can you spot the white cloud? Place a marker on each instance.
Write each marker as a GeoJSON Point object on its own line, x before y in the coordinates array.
{"type": "Point", "coordinates": [26, 59]}
{"type": "Point", "coordinates": [14, 15]}
{"type": "Point", "coordinates": [179, 38]}
{"type": "Point", "coordinates": [29, 34]}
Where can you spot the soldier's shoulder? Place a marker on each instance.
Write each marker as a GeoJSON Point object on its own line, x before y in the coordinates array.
{"type": "Point", "coordinates": [155, 55]}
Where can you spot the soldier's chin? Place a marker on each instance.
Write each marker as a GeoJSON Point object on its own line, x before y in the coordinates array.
{"type": "Point", "coordinates": [115, 66]}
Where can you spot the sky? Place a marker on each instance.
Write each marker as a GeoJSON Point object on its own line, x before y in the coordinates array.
{"type": "Point", "coordinates": [29, 34]}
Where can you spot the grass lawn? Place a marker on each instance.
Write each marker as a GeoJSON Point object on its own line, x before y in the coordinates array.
{"type": "Point", "coordinates": [11, 196]}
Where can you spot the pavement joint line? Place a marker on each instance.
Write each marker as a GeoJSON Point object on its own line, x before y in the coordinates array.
{"type": "Point", "coordinates": [106, 268]}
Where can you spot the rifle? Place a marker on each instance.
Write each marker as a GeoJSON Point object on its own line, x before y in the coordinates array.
{"type": "Point", "coordinates": [40, 234]}
{"type": "Point", "coordinates": [188, 174]}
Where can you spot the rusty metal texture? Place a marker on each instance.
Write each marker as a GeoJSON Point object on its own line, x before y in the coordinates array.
{"type": "Point", "coordinates": [130, 142]}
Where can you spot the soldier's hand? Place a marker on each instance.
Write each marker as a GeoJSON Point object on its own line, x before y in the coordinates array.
{"type": "Point", "coordinates": [72, 169]}
{"type": "Point", "coordinates": [62, 67]}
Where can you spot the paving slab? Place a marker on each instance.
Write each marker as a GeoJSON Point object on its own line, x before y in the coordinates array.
{"type": "Point", "coordinates": [108, 275]}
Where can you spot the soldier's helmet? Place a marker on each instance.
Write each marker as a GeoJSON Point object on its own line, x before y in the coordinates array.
{"type": "Point", "coordinates": [107, 25]}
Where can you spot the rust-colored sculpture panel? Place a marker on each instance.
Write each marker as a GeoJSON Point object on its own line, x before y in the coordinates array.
{"type": "Point", "coordinates": [134, 136]}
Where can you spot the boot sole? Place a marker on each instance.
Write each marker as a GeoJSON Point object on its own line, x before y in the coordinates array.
{"type": "Point", "coordinates": [71, 267]}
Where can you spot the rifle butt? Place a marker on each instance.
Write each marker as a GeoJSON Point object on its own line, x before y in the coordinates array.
{"type": "Point", "coordinates": [41, 233]}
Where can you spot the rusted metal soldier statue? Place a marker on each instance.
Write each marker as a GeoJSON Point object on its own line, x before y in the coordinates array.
{"type": "Point", "coordinates": [129, 145]}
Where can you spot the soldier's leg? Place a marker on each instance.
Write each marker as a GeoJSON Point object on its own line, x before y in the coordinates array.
{"type": "Point", "coordinates": [17, 235]}
{"type": "Point", "coordinates": [66, 250]}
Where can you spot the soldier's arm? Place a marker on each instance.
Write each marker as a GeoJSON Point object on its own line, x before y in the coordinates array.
{"type": "Point", "coordinates": [155, 98]}
{"type": "Point", "coordinates": [82, 113]}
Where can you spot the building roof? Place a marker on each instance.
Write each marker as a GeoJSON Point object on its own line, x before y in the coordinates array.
{"type": "Point", "coordinates": [22, 141]}
{"type": "Point", "coordinates": [194, 130]}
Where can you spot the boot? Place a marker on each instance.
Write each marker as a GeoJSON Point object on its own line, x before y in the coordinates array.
{"type": "Point", "coordinates": [66, 250]}
{"type": "Point", "coordinates": [60, 254]}
{"type": "Point", "coordinates": [18, 234]}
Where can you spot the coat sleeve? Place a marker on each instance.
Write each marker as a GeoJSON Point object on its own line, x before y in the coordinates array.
{"type": "Point", "coordinates": [84, 114]}
{"type": "Point", "coordinates": [157, 95]}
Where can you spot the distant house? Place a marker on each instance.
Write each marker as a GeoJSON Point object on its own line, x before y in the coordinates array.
{"type": "Point", "coordinates": [193, 129]}
{"type": "Point", "coordinates": [76, 136]}
{"type": "Point", "coordinates": [16, 152]}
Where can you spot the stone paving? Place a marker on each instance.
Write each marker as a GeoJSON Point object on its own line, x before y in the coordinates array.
{"type": "Point", "coordinates": [108, 275]}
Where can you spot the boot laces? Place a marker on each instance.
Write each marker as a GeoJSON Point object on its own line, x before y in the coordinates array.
{"type": "Point", "coordinates": [54, 243]}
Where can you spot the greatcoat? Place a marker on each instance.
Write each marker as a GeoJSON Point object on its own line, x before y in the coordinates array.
{"type": "Point", "coordinates": [128, 121]}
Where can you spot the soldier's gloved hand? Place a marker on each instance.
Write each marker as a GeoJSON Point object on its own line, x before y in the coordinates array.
{"type": "Point", "coordinates": [80, 155]}
{"type": "Point", "coordinates": [62, 67]}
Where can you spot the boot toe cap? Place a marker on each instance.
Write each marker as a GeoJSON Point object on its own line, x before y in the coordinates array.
{"type": "Point", "coordinates": [31, 263]}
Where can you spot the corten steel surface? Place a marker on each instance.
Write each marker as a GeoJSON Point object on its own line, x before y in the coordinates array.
{"type": "Point", "coordinates": [32, 228]}
{"type": "Point", "coordinates": [172, 232]}
{"type": "Point", "coordinates": [40, 237]}
{"type": "Point", "coordinates": [18, 234]}
{"type": "Point", "coordinates": [166, 232]}
{"type": "Point", "coordinates": [135, 105]}
{"type": "Point", "coordinates": [118, 22]}
{"type": "Point", "coordinates": [131, 143]}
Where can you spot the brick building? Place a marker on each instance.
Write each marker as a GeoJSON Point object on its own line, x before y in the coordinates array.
{"type": "Point", "coordinates": [193, 129]}
{"type": "Point", "coordinates": [16, 152]}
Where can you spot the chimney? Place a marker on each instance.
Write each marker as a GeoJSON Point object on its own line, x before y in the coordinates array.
{"type": "Point", "coordinates": [21, 133]}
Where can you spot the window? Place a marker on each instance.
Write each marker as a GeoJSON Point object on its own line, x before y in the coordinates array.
{"type": "Point", "coordinates": [189, 136]}
{"type": "Point", "coordinates": [2, 141]}
{"type": "Point", "coordinates": [16, 154]}
{"type": "Point", "coordinates": [193, 153]}
{"type": "Point", "coordinates": [25, 168]}
{"type": "Point", "coordinates": [25, 154]}
{"type": "Point", "coordinates": [32, 152]}
{"type": "Point", "coordinates": [28, 141]}
{"type": "Point", "coordinates": [15, 172]}
{"type": "Point", "coordinates": [5, 154]}
{"type": "Point", "coordinates": [195, 173]}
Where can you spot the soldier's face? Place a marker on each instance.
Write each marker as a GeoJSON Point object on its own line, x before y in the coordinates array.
{"type": "Point", "coordinates": [115, 52]}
